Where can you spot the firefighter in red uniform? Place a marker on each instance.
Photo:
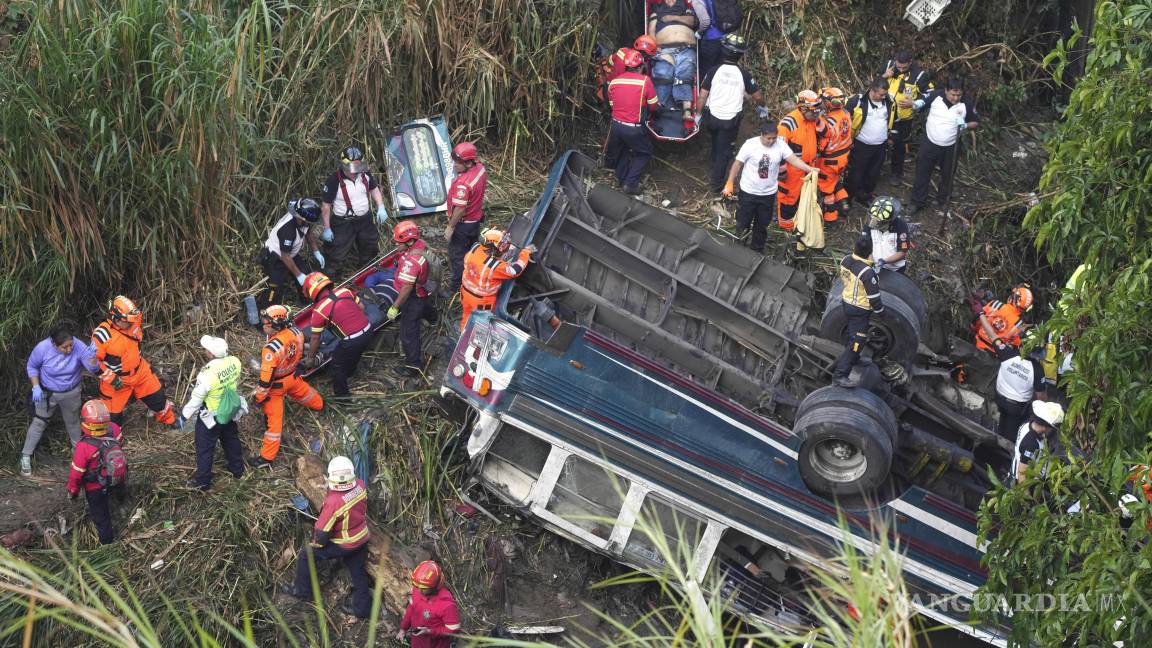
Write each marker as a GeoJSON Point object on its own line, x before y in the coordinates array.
{"type": "Point", "coordinates": [1001, 321]}
{"type": "Point", "coordinates": [412, 300]}
{"type": "Point", "coordinates": [339, 311]}
{"type": "Point", "coordinates": [800, 129]}
{"type": "Point", "coordinates": [432, 618]}
{"type": "Point", "coordinates": [834, 146]}
{"type": "Point", "coordinates": [341, 532]}
{"type": "Point", "coordinates": [485, 269]}
{"type": "Point", "coordinates": [125, 373]}
{"type": "Point", "coordinates": [279, 378]}
{"type": "Point", "coordinates": [100, 434]}
{"type": "Point", "coordinates": [467, 211]}
{"type": "Point", "coordinates": [628, 149]}
{"type": "Point", "coordinates": [644, 44]}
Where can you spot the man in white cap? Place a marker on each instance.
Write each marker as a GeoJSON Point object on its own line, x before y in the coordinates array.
{"type": "Point", "coordinates": [1034, 437]}
{"type": "Point", "coordinates": [216, 405]}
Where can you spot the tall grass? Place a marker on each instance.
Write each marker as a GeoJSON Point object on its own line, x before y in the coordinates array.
{"type": "Point", "coordinates": [146, 144]}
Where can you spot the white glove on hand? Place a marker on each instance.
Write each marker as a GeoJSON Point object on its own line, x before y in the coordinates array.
{"type": "Point", "coordinates": [960, 123]}
{"type": "Point", "coordinates": [327, 235]}
{"type": "Point", "coordinates": [319, 258]}
{"type": "Point", "coordinates": [918, 104]}
{"type": "Point", "coordinates": [762, 112]}
{"type": "Point", "coordinates": [381, 214]}
{"type": "Point", "coordinates": [300, 278]}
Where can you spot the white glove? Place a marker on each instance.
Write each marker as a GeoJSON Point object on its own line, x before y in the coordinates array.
{"type": "Point", "coordinates": [381, 214]}
{"type": "Point", "coordinates": [319, 258]}
{"type": "Point", "coordinates": [327, 235]}
{"type": "Point", "coordinates": [762, 112]}
{"type": "Point", "coordinates": [300, 278]}
{"type": "Point", "coordinates": [918, 104]}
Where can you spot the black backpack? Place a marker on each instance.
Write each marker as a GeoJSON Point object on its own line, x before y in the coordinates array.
{"type": "Point", "coordinates": [727, 16]}
{"type": "Point", "coordinates": [112, 468]}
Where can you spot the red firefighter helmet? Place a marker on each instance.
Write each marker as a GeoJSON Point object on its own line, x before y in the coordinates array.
{"type": "Point", "coordinates": [632, 58]}
{"type": "Point", "coordinates": [427, 575]}
{"type": "Point", "coordinates": [94, 417]}
{"type": "Point", "coordinates": [314, 283]}
{"type": "Point", "coordinates": [123, 309]}
{"type": "Point", "coordinates": [646, 44]}
{"type": "Point", "coordinates": [405, 231]}
{"type": "Point", "coordinates": [464, 152]}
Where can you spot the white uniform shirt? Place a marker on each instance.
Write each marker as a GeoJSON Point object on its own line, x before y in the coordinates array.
{"type": "Point", "coordinates": [286, 236]}
{"type": "Point", "coordinates": [874, 130]}
{"type": "Point", "coordinates": [940, 125]}
{"type": "Point", "coordinates": [761, 173]}
{"type": "Point", "coordinates": [1017, 379]}
{"type": "Point", "coordinates": [726, 86]}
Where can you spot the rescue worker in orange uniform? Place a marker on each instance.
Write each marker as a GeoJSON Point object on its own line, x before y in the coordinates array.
{"type": "Point", "coordinates": [834, 147]}
{"type": "Point", "coordinates": [485, 270]}
{"type": "Point", "coordinates": [1001, 321]}
{"type": "Point", "coordinates": [800, 130]}
{"type": "Point", "coordinates": [279, 377]}
{"type": "Point", "coordinates": [125, 373]}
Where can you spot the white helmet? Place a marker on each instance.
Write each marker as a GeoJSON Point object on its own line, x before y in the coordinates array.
{"type": "Point", "coordinates": [341, 474]}
{"type": "Point", "coordinates": [1048, 412]}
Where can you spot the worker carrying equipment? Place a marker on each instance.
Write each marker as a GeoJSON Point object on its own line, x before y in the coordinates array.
{"type": "Point", "coordinates": [125, 374]}
{"type": "Point", "coordinates": [800, 130]}
{"type": "Point", "coordinates": [486, 269]}
{"type": "Point", "coordinates": [432, 617]}
{"type": "Point", "coordinates": [280, 377]}
{"type": "Point", "coordinates": [98, 462]}
{"type": "Point", "coordinates": [340, 532]}
{"type": "Point", "coordinates": [834, 145]}
{"type": "Point", "coordinates": [1002, 321]}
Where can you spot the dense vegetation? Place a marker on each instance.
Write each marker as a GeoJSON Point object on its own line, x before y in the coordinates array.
{"type": "Point", "coordinates": [1095, 209]}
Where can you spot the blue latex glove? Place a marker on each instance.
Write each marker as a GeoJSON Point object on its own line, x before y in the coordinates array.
{"type": "Point", "coordinates": [762, 112]}
{"type": "Point", "coordinates": [878, 265]}
{"type": "Point", "coordinates": [319, 258]}
{"type": "Point", "coordinates": [960, 123]}
{"type": "Point", "coordinates": [381, 214]}
{"type": "Point", "coordinates": [37, 393]}
{"type": "Point", "coordinates": [300, 278]}
{"type": "Point", "coordinates": [918, 104]}
{"type": "Point", "coordinates": [327, 235]}
{"type": "Point", "coordinates": [178, 424]}
{"type": "Point", "coordinates": [393, 313]}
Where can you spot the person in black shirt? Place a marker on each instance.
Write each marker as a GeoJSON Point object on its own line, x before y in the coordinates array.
{"type": "Point", "coordinates": [281, 260]}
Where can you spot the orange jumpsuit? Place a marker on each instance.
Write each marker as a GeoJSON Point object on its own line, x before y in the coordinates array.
{"type": "Point", "coordinates": [834, 146]}
{"type": "Point", "coordinates": [278, 362]}
{"type": "Point", "coordinates": [118, 352]}
{"type": "Point", "coordinates": [801, 136]}
{"type": "Point", "coordinates": [1005, 320]}
{"type": "Point", "coordinates": [483, 274]}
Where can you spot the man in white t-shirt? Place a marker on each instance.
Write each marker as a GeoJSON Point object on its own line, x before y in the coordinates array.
{"type": "Point", "coordinates": [872, 117]}
{"type": "Point", "coordinates": [758, 166]}
{"type": "Point", "coordinates": [722, 92]}
{"type": "Point", "coordinates": [948, 116]}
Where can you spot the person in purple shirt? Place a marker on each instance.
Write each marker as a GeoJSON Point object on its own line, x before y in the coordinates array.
{"type": "Point", "coordinates": [54, 369]}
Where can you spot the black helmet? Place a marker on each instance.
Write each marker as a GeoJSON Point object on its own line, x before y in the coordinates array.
{"type": "Point", "coordinates": [733, 45]}
{"type": "Point", "coordinates": [305, 208]}
{"type": "Point", "coordinates": [352, 160]}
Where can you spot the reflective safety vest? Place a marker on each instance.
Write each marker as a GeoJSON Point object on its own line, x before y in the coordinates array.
{"type": "Point", "coordinates": [220, 374]}
{"type": "Point", "coordinates": [800, 134]}
{"type": "Point", "coordinates": [344, 515]}
{"type": "Point", "coordinates": [118, 351]}
{"type": "Point", "coordinates": [837, 135]}
{"type": "Point", "coordinates": [281, 355]}
{"type": "Point", "coordinates": [484, 272]}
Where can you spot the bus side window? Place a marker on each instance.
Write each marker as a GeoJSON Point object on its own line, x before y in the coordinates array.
{"type": "Point", "coordinates": [664, 533]}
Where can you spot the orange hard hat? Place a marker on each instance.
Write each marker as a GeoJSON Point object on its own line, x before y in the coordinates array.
{"type": "Point", "coordinates": [646, 44]}
{"type": "Point", "coordinates": [1022, 297]}
{"type": "Point", "coordinates": [834, 96]}
{"type": "Point", "coordinates": [808, 99]}
{"type": "Point", "coordinates": [632, 58]}
{"type": "Point", "coordinates": [427, 575]}
{"type": "Point", "coordinates": [314, 283]}
{"type": "Point", "coordinates": [405, 231]}
{"type": "Point", "coordinates": [94, 417]}
{"type": "Point", "coordinates": [464, 152]}
{"type": "Point", "coordinates": [277, 315]}
{"type": "Point", "coordinates": [494, 238]}
{"type": "Point", "coordinates": [122, 308]}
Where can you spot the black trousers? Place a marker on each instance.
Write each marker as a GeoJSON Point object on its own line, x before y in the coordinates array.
{"type": "Point", "coordinates": [345, 361]}
{"type": "Point", "coordinates": [900, 134]}
{"type": "Point", "coordinates": [206, 439]}
{"type": "Point", "coordinates": [353, 560]}
{"type": "Point", "coordinates": [864, 167]}
{"type": "Point", "coordinates": [282, 286]}
{"type": "Point", "coordinates": [724, 133]}
{"type": "Point", "coordinates": [855, 335]}
{"type": "Point", "coordinates": [756, 212]}
{"type": "Point", "coordinates": [350, 235]}
{"type": "Point", "coordinates": [1012, 416]}
{"type": "Point", "coordinates": [412, 312]}
{"type": "Point", "coordinates": [463, 238]}
{"type": "Point", "coordinates": [627, 152]}
{"type": "Point", "coordinates": [100, 512]}
{"type": "Point", "coordinates": [928, 159]}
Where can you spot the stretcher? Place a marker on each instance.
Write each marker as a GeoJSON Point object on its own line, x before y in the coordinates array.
{"type": "Point", "coordinates": [671, 124]}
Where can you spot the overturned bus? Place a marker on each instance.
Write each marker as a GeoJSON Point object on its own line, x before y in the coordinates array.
{"type": "Point", "coordinates": [642, 370]}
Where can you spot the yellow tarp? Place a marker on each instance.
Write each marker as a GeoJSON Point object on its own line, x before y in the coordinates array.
{"type": "Point", "coordinates": [809, 219]}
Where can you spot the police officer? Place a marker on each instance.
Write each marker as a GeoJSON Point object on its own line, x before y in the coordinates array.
{"type": "Point", "coordinates": [346, 212]}
{"type": "Point", "coordinates": [222, 373]}
{"type": "Point", "coordinates": [1034, 436]}
{"type": "Point", "coordinates": [722, 92]}
{"type": "Point", "coordinates": [861, 295]}
{"type": "Point", "coordinates": [907, 82]}
{"type": "Point", "coordinates": [628, 148]}
{"type": "Point", "coordinates": [889, 235]}
{"type": "Point", "coordinates": [412, 300]}
{"type": "Point", "coordinates": [281, 259]}
{"type": "Point", "coordinates": [1019, 381]}
{"type": "Point", "coordinates": [467, 208]}
{"type": "Point", "coordinates": [339, 311]}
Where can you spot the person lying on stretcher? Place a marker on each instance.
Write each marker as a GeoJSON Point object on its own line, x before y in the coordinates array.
{"type": "Point", "coordinates": [673, 23]}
